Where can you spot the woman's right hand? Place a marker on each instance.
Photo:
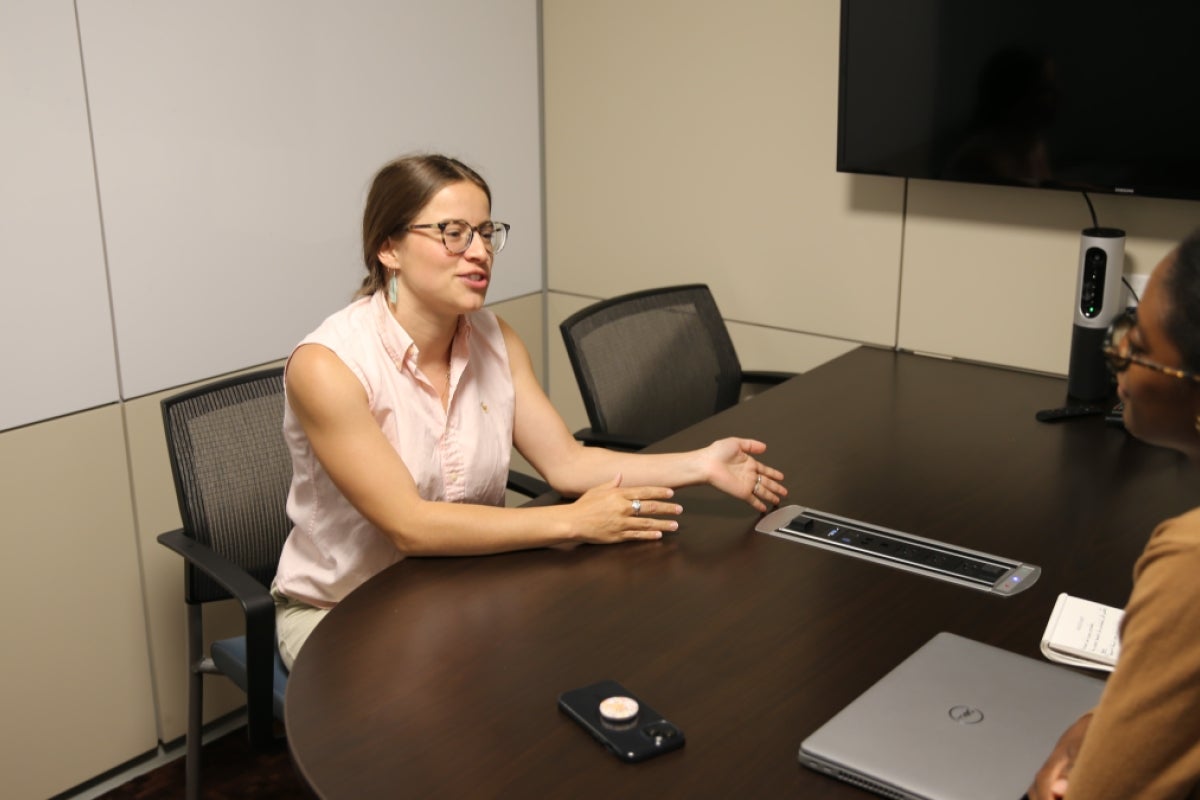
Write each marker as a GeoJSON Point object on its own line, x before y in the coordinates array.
{"type": "Point", "coordinates": [611, 513]}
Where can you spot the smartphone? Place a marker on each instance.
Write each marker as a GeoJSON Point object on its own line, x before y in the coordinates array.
{"type": "Point", "coordinates": [618, 719]}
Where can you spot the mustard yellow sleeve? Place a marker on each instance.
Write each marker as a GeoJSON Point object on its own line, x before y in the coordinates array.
{"type": "Point", "coordinates": [1144, 741]}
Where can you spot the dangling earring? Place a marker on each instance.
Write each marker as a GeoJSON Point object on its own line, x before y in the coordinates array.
{"type": "Point", "coordinates": [392, 287]}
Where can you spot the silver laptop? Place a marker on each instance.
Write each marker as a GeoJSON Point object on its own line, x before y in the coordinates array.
{"type": "Point", "coordinates": [956, 720]}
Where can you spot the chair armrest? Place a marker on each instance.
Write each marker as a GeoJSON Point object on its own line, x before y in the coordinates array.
{"type": "Point", "coordinates": [235, 580]}
{"type": "Point", "coordinates": [259, 609]}
{"type": "Point", "coordinates": [521, 483]}
{"type": "Point", "coordinates": [613, 441]}
{"type": "Point", "coordinates": [766, 377]}
{"type": "Point", "coordinates": [757, 381]}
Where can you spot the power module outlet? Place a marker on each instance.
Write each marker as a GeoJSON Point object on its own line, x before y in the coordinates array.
{"type": "Point", "coordinates": [1138, 284]}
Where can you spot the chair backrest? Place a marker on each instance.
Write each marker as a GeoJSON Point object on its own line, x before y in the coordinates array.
{"type": "Point", "coordinates": [651, 363]}
{"type": "Point", "coordinates": [232, 472]}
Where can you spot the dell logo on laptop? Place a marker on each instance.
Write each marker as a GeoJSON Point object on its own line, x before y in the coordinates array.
{"type": "Point", "coordinates": [967, 715]}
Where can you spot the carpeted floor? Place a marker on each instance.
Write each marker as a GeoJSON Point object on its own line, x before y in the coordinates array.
{"type": "Point", "coordinates": [230, 769]}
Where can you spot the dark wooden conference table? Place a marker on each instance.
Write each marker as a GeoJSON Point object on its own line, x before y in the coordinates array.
{"type": "Point", "coordinates": [440, 676]}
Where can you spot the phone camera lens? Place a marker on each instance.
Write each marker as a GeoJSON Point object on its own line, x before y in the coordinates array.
{"type": "Point", "coordinates": [661, 731]}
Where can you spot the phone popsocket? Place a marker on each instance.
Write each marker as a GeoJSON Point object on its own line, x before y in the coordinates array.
{"type": "Point", "coordinates": [619, 710]}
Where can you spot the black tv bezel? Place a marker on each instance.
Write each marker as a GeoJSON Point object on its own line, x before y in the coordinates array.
{"type": "Point", "coordinates": [1168, 192]}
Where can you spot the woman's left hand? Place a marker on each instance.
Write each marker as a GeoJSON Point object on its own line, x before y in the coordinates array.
{"type": "Point", "coordinates": [734, 470]}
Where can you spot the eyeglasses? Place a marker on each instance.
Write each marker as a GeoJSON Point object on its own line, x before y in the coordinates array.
{"type": "Point", "coordinates": [457, 234]}
{"type": "Point", "coordinates": [1117, 350]}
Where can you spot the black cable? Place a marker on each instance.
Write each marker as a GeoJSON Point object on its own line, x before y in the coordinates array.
{"type": "Point", "coordinates": [1132, 293]}
{"type": "Point", "coordinates": [1092, 209]}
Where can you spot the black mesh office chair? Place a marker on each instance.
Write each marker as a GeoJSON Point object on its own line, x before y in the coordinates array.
{"type": "Point", "coordinates": [232, 472]}
{"type": "Point", "coordinates": [652, 362]}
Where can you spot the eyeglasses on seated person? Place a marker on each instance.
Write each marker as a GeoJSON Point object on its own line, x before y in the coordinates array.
{"type": "Point", "coordinates": [1118, 350]}
{"type": "Point", "coordinates": [457, 234]}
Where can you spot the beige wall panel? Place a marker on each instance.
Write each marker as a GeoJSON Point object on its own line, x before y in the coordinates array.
{"type": "Point", "coordinates": [528, 319]}
{"type": "Point", "coordinates": [695, 142]}
{"type": "Point", "coordinates": [77, 694]}
{"type": "Point", "coordinates": [989, 272]}
{"type": "Point", "coordinates": [776, 349]}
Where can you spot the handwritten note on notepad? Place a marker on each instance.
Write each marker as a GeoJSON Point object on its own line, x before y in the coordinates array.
{"type": "Point", "coordinates": [1083, 633]}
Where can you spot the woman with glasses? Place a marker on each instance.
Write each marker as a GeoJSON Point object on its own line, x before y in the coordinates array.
{"type": "Point", "coordinates": [1143, 739]}
{"type": "Point", "coordinates": [402, 410]}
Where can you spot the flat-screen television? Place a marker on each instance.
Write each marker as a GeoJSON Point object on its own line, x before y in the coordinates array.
{"type": "Point", "coordinates": [1098, 96]}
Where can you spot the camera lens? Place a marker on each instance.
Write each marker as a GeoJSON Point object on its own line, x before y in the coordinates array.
{"type": "Point", "coordinates": [661, 730]}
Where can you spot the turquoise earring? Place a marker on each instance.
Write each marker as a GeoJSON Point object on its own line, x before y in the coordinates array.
{"type": "Point", "coordinates": [392, 288]}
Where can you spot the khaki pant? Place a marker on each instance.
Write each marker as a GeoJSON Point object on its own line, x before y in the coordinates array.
{"type": "Point", "coordinates": [294, 621]}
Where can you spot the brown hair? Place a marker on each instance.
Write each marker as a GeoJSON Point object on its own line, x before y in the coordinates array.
{"type": "Point", "coordinates": [398, 193]}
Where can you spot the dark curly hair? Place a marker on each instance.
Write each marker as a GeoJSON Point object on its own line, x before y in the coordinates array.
{"type": "Point", "coordinates": [1182, 285]}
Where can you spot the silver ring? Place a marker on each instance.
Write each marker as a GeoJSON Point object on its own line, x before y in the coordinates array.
{"type": "Point", "coordinates": [637, 507]}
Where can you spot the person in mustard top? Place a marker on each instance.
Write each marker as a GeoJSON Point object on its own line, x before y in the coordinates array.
{"type": "Point", "coordinates": [1143, 738]}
